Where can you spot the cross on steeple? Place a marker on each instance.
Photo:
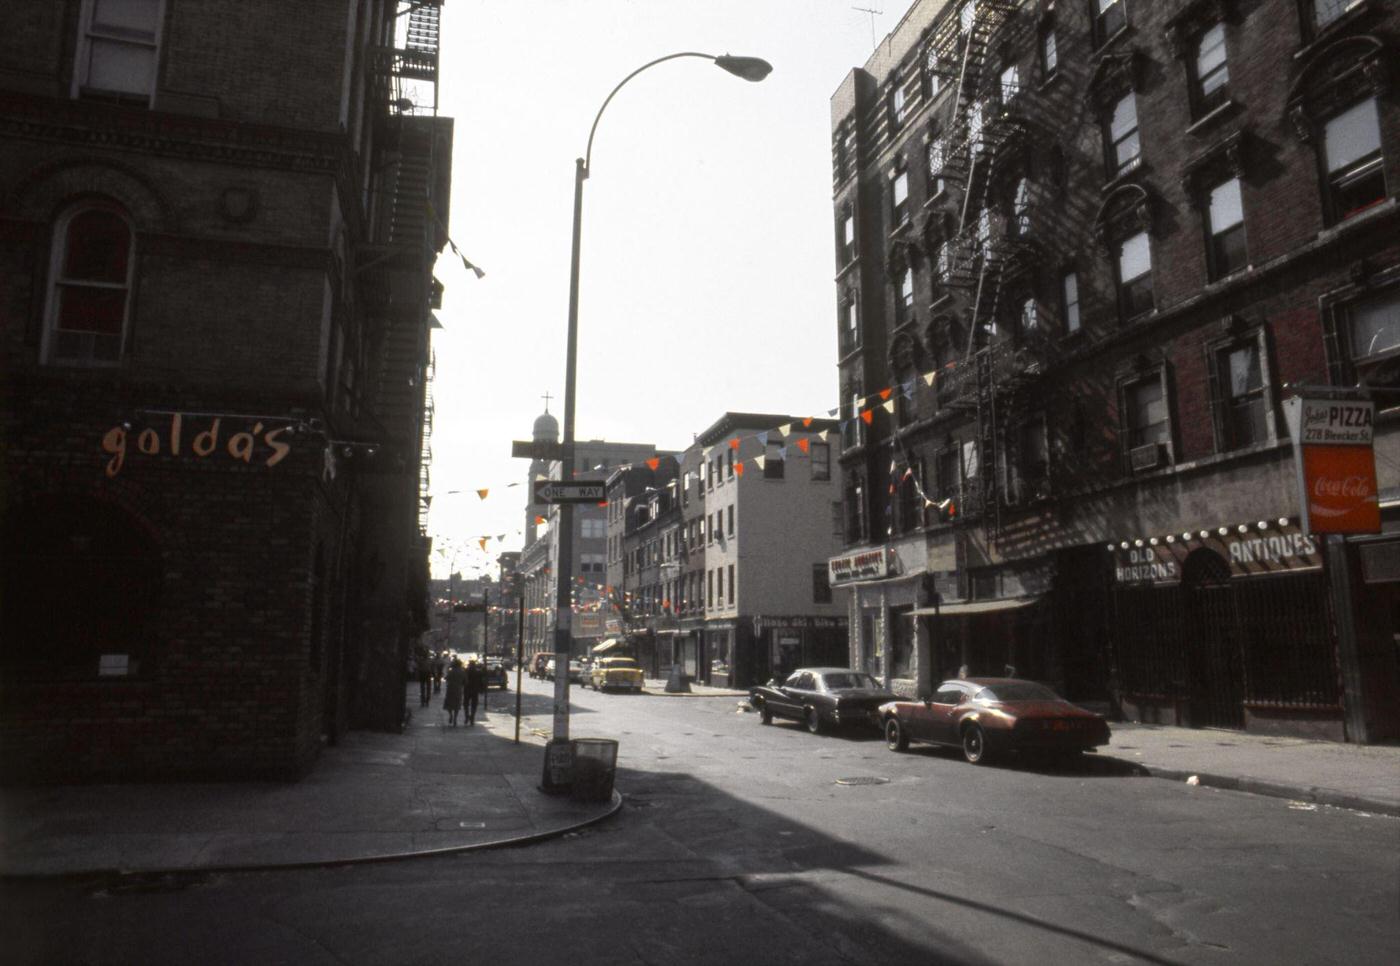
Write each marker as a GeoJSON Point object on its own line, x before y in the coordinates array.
{"type": "Point", "coordinates": [546, 397]}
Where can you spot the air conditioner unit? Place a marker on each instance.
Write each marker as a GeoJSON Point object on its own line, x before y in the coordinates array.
{"type": "Point", "coordinates": [1148, 457]}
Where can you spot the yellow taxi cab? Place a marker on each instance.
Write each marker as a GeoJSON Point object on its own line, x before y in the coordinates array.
{"type": "Point", "coordinates": [621, 673]}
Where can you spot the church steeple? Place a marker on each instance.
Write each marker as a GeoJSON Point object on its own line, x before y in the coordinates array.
{"type": "Point", "coordinates": [546, 431]}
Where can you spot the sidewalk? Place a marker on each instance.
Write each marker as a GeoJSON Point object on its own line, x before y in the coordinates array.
{"type": "Point", "coordinates": [657, 686]}
{"type": "Point", "coordinates": [372, 797]}
{"type": "Point", "coordinates": [1364, 777]}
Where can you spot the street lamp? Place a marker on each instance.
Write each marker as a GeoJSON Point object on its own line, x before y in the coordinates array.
{"type": "Point", "coordinates": [750, 69]}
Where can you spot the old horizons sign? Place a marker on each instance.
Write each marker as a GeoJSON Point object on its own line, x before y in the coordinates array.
{"type": "Point", "coordinates": [1253, 552]}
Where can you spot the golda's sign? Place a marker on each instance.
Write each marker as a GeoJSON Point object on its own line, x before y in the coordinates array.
{"type": "Point", "coordinates": [208, 439]}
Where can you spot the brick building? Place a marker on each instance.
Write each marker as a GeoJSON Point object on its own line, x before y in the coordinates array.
{"type": "Point", "coordinates": [1085, 251]}
{"type": "Point", "coordinates": [217, 229]}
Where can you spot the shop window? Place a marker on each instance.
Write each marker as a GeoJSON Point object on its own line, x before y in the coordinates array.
{"type": "Point", "coordinates": [901, 632]}
{"type": "Point", "coordinates": [118, 48]}
{"type": "Point", "coordinates": [1134, 276]}
{"type": "Point", "coordinates": [1225, 229]}
{"type": "Point", "coordinates": [1210, 81]}
{"type": "Point", "coordinates": [1121, 138]}
{"type": "Point", "coordinates": [1110, 16]}
{"type": "Point", "coordinates": [89, 297]}
{"type": "Point", "coordinates": [1355, 167]}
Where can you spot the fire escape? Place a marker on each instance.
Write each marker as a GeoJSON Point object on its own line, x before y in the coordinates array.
{"type": "Point", "coordinates": [988, 130]}
{"type": "Point", "coordinates": [408, 215]}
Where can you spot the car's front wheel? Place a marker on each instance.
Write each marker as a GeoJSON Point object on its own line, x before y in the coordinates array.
{"type": "Point", "coordinates": [765, 714]}
{"type": "Point", "coordinates": [814, 721]}
{"type": "Point", "coordinates": [895, 738]}
{"type": "Point", "coordinates": [974, 744]}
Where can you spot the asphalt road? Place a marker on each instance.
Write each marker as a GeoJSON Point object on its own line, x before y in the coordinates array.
{"type": "Point", "coordinates": [740, 843]}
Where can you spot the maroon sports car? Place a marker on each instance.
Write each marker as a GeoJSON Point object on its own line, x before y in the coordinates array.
{"type": "Point", "coordinates": [988, 716]}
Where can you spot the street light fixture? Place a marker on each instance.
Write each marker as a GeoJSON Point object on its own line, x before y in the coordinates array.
{"type": "Point", "coordinates": [750, 69]}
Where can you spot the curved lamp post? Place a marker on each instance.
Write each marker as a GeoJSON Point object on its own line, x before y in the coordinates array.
{"type": "Point", "coordinates": [750, 69]}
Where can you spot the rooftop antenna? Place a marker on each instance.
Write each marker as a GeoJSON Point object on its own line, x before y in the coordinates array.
{"type": "Point", "coordinates": [872, 13]}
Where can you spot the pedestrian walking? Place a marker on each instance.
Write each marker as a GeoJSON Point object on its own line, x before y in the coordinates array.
{"type": "Point", "coordinates": [438, 667]}
{"type": "Point", "coordinates": [456, 688]}
{"type": "Point", "coordinates": [425, 680]}
{"type": "Point", "coordinates": [476, 684]}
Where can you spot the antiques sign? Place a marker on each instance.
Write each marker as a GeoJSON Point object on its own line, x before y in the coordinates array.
{"type": "Point", "coordinates": [1332, 448]}
{"type": "Point", "coordinates": [202, 440]}
{"type": "Point", "coordinates": [1275, 550]}
{"type": "Point", "coordinates": [861, 566]}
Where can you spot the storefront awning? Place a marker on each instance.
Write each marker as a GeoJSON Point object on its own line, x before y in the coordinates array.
{"type": "Point", "coordinates": [607, 645]}
{"type": "Point", "coordinates": [967, 608]}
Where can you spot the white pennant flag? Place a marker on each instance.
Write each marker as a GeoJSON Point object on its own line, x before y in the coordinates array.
{"type": "Point", "coordinates": [785, 429]}
{"type": "Point", "coordinates": [929, 377]}
{"type": "Point", "coordinates": [888, 405]}
{"type": "Point", "coordinates": [824, 434]}
{"type": "Point", "coordinates": [758, 461]}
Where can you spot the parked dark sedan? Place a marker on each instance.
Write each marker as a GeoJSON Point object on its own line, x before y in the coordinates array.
{"type": "Point", "coordinates": [987, 716]}
{"type": "Point", "coordinates": [822, 697]}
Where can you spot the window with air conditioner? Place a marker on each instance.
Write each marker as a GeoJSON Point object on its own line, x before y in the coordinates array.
{"type": "Point", "coordinates": [1146, 425]}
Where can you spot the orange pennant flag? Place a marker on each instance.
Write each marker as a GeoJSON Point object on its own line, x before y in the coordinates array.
{"type": "Point", "coordinates": [868, 416]}
{"type": "Point", "coordinates": [734, 443]}
{"type": "Point", "coordinates": [602, 502]}
{"type": "Point", "coordinates": [482, 541]}
{"type": "Point", "coordinates": [482, 493]}
{"type": "Point", "coordinates": [885, 393]}
{"type": "Point", "coordinates": [539, 520]}
{"type": "Point", "coordinates": [654, 462]}
{"type": "Point", "coordinates": [739, 468]}
{"type": "Point", "coordinates": [806, 422]}
{"type": "Point", "coordinates": [804, 444]}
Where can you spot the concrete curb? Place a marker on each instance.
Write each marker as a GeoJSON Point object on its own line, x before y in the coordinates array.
{"type": "Point", "coordinates": [192, 871]}
{"type": "Point", "coordinates": [1257, 786]}
{"type": "Point", "coordinates": [694, 694]}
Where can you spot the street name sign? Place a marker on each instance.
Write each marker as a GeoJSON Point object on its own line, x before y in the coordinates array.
{"type": "Point", "coordinates": [538, 449]}
{"type": "Point", "coordinates": [572, 491]}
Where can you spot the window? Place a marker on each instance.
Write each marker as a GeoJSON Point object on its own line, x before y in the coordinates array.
{"type": "Point", "coordinates": [1030, 316]}
{"type": "Point", "coordinates": [855, 509]}
{"type": "Point", "coordinates": [1225, 229]}
{"type": "Point", "coordinates": [1021, 207]}
{"type": "Point", "coordinates": [943, 262]}
{"type": "Point", "coordinates": [904, 307]}
{"type": "Point", "coordinates": [773, 462]}
{"type": "Point", "coordinates": [1124, 146]}
{"type": "Point", "coordinates": [1146, 415]}
{"type": "Point", "coordinates": [730, 528]}
{"type": "Point", "coordinates": [846, 240]}
{"type": "Point", "coordinates": [1326, 11]}
{"type": "Point", "coordinates": [731, 584]}
{"type": "Point", "coordinates": [971, 465]}
{"type": "Point", "coordinates": [907, 95]}
{"type": "Point", "coordinates": [852, 432]}
{"type": "Point", "coordinates": [899, 197]}
{"type": "Point", "coordinates": [821, 584]}
{"type": "Point", "coordinates": [1110, 16]}
{"type": "Point", "coordinates": [709, 588]}
{"type": "Point", "coordinates": [729, 463]}
{"type": "Point", "coordinates": [592, 563]}
{"type": "Point", "coordinates": [1010, 83]}
{"type": "Point", "coordinates": [1069, 304]}
{"type": "Point", "coordinates": [984, 232]}
{"type": "Point", "coordinates": [1032, 452]}
{"type": "Point", "coordinates": [910, 503]}
{"type": "Point", "coordinates": [1135, 276]}
{"type": "Point", "coordinates": [949, 483]}
{"type": "Point", "coordinates": [719, 586]}
{"type": "Point", "coordinates": [936, 162]}
{"type": "Point", "coordinates": [117, 49]}
{"type": "Point", "coordinates": [821, 461]}
{"type": "Point", "coordinates": [713, 530]}
{"type": "Point", "coordinates": [967, 16]}
{"type": "Point", "coordinates": [850, 324]}
{"type": "Point", "coordinates": [974, 127]}
{"type": "Point", "coordinates": [1355, 173]}
{"type": "Point", "coordinates": [935, 74]}
{"type": "Point", "coordinates": [89, 297]}
{"type": "Point", "coordinates": [590, 527]}
{"type": "Point", "coordinates": [1212, 72]}
{"type": "Point", "coordinates": [1241, 392]}
{"type": "Point", "coordinates": [1049, 52]}
{"type": "Point", "coordinates": [1373, 337]}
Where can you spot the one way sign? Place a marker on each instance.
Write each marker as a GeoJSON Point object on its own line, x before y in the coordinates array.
{"type": "Point", "coordinates": [574, 491]}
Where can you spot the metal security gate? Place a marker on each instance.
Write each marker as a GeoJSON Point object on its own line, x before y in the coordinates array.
{"type": "Point", "coordinates": [1214, 663]}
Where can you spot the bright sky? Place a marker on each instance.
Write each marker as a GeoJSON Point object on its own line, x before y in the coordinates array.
{"type": "Point", "coordinates": [707, 257]}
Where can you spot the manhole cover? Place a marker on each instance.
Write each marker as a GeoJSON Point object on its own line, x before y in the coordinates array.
{"type": "Point", "coordinates": [862, 780]}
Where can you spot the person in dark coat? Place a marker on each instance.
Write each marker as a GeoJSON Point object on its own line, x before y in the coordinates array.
{"type": "Point", "coordinates": [425, 680]}
{"type": "Point", "coordinates": [476, 684]}
{"type": "Point", "coordinates": [438, 665]}
{"type": "Point", "coordinates": [456, 687]}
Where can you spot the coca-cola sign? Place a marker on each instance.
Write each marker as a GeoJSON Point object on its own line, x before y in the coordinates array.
{"type": "Point", "coordinates": [1336, 464]}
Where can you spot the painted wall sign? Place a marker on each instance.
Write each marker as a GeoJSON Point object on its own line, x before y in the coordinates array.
{"type": "Point", "coordinates": [1332, 448]}
{"type": "Point", "coordinates": [1248, 554]}
{"type": "Point", "coordinates": [255, 443]}
{"type": "Point", "coordinates": [797, 622]}
{"type": "Point", "coordinates": [867, 565]}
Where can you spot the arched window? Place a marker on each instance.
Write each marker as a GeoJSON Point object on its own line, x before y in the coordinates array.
{"type": "Point", "coordinates": [89, 296]}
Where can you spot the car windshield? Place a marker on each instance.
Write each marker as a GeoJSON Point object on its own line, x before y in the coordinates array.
{"type": "Point", "coordinates": [621, 662]}
{"type": "Point", "coordinates": [1018, 691]}
{"type": "Point", "coordinates": [850, 679]}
